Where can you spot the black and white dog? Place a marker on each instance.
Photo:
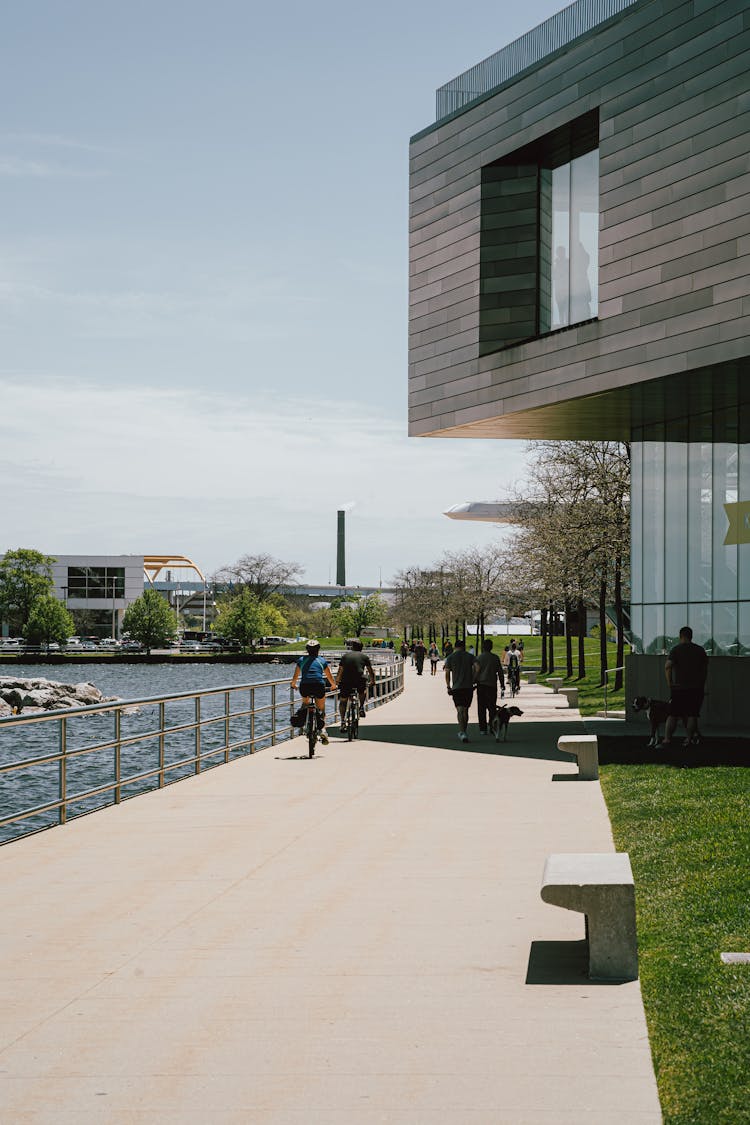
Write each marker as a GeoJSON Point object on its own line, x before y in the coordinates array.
{"type": "Point", "coordinates": [657, 711]}
{"type": "Point", "coordinates": [501, 720]}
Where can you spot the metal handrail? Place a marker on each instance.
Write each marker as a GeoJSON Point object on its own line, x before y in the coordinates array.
{"type": "Point", "coordinates": [274, 727]}
{"type": "Point", "coordinates": [606, 673]}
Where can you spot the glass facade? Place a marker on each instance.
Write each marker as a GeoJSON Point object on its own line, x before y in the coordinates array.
{"type": "Point", "coordinates": [571, 232]}
{"type": "Point", "coordinates": [690, 537]}
{"type": "Point", "coordinates": [86, 582]}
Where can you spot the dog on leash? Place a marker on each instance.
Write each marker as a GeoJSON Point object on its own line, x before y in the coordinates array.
{"type": "Point", "coordinates": [657, 711]}
{"type": "Point", "coordinates": [502, 719]}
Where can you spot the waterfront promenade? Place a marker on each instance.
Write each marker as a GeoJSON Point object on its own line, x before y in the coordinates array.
{"type": "Point", "coordinates": [352, 939]}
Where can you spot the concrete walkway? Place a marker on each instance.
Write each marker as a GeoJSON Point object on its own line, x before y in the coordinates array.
{"type": "Point", "coordinates": [352, 939]}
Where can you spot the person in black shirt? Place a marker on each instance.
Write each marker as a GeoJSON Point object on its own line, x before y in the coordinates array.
{"type": "Point", "coordinates": [354, 668]}
{"type": "Point", "coordinates": [686, 669]}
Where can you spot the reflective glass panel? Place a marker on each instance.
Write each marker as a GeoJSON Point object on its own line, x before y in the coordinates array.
{"type": "Point", "coordinates": [725, 629]}
{"type": "Point", "coordinates": [700, 521]}
{"type": "Point", "coordinates": [676, 521]}
{"type": "Point", "coordinates": [561, 246]}
{"type": "Point", "coordinates": [724, 578]}
{"type": "Point", "coordinates": [743, 492]}
{"type": "Point", "coordinates": [636, 522]}
{"type": "Point", "coordinates": [584, 236]}
{"type": "Point", "coordinates": [653, 521]}
{"type": "Point", "coordinates": [653, 628]}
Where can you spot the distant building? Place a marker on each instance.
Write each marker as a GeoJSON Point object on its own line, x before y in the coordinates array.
{"type": "Point", "coordinates": [103, 585]}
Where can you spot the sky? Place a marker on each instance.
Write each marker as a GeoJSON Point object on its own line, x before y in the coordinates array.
{"type": "Point", "coordinates": [203, 280]}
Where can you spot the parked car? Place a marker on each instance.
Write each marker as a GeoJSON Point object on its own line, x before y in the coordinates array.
{"type": "Point", "coordinates": [190, 646]}
{"type": "Point", "coordinates": [132, 646]}
{"type": "Point", "coordinates": [210, 646]}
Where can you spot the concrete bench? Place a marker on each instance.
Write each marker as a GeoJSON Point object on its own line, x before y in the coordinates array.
{"type": "Point", "coordinates": [585, 749]}
{"type": "Point", "coordinates": [571, 694]}
{"type": "Point", "coordinates": [599, 885]}
{"type": "Point", "coordinates": [530, 676]}
{"type": "Point", "coordinates": [555, 682]}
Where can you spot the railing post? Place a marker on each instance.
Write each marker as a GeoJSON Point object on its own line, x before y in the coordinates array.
{"type": "Point", "coordinates": [63, 784]}
{"type": "Point", "coordinates": [118, 755]}
{"type": "Point", "coordinates": [252, 720]}
{"type": "Point", "coordinates": [226, 726]}
{"type": "Point", "coordinates": [162, 724]}
{"type": "Point", "coordinates": [273, 714]}
{"type": "Point", "coordinates": [197, 734]}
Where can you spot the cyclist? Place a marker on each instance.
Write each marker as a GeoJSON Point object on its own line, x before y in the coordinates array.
{"type": "Point", "coordinates": [354, 668]}
{"type": "Point", "coordinates": [312, 673]}
{"type": "Point", "coordinates": [512, 661]}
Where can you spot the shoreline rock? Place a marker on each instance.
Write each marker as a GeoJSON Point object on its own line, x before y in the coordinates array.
{"type": "Point", "coordinates": [30, 696]}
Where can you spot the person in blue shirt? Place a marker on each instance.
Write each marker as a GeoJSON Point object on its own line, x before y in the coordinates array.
{"type": "Point", "coordinates": [312, 673]}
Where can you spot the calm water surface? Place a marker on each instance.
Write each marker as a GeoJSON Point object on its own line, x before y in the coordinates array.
{"type": "Point", "coordinates": [29, 788]}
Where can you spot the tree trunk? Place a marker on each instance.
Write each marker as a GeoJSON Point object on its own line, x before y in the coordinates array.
{"type": "Point", "coordinates": [568, 643]}
{"type": "Point", "coordinates": [476, 643]}
{"type": "Point", "coordinates": [619, 675]}
{"type": "Point", "coordinates": [551, 631]}
{"type": "Point", "coordinates": [581, 639]}
{"type": "Point", "coordinates": [543, 627]}
{"type": "Point", "coordinates": [603, 628]}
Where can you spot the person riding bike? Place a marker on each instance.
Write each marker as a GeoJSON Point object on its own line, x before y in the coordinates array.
{"type": "Point", "coordinates": [312, 673]}
{"type": "Point", "coordinates": [512, 661]}
{"type": "Point", "coordinates": [354, 668]}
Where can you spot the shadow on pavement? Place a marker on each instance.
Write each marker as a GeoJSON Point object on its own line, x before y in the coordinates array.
{"type": "Point", "coordinates": [525, 740]}
{"type": "Point", "coordinates": [561, 962]}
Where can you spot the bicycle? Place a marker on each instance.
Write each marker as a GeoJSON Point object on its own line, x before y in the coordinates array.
{"type": "Point", "coordinates": [514, 678]}
{"type": "Point", "coordinates": [310, 725]}
{"type": "Point", "coordinates": [351, 716]}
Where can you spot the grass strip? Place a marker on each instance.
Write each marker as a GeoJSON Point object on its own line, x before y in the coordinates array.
{"type": "Point", "coordinates": [689, 842]}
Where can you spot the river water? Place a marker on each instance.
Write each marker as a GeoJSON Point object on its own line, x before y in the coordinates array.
{"type": "Point", "coordinates": [31, 787]}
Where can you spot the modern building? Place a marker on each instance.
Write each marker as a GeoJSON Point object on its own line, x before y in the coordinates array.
{"type": "Point", "coordinates": [580, 268]}
{"type": "Point", "coordinates": [102, 585]}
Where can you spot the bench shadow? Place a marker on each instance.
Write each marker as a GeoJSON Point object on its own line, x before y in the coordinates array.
{"type": "Point", "coordinates": [715, 750]}
{"type": "Point", "coordinates": [561, 962]}
{"type": "Point", "coordinates": [525, 740]}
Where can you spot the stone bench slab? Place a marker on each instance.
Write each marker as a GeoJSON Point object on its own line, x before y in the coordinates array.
{"type": "Point", "coordinates": [555, 682]}
{"type": "Point", "coordinates": [585, 749]}
{"type": "Point", "coordinates": [571, 694]}
{"type": "Point", "coordinates": [599, 885]}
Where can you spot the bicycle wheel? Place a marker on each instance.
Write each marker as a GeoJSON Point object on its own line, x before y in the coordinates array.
{"type": "Point", "coordinates": [312, 731]}
{"type": "Point", "coordinates": [353, 723]}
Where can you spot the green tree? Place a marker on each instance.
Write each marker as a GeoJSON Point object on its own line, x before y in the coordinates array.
{"type": "Point", "coordinates": [351, 616]}
{"type": "Point", "coordinates": [25, 575]}
{"type": "Point", "coordinates": [150, 621]}
{"type": "Point", "coordinates": [49, 621]}
{"type": "Point", "coordinates": [245, 618]}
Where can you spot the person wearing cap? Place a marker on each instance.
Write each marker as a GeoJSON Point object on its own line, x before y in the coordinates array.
{"type": "Point", "coordinates": [312, 673]}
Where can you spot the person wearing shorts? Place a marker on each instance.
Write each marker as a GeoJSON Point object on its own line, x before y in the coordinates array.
{"type": "Point", "coordinates": [354, 669]}
{"type": "Point", "coordinates": [686, 669]}
{"type": "Point", "coordinates": [459, 680]}
{"type": "Point", "coordinates": [313, 673]}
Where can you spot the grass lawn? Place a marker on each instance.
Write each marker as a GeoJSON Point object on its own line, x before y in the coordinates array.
{"type": "Point", "coordinates": [688, 835]}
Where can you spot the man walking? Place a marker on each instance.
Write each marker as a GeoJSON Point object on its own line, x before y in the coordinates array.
{"type": "Point", "coordinates": [459, 680]}
{"type": "Point", "coordinates": [686, 669]}
{"type": "Point", "coordinates": [488, 669]}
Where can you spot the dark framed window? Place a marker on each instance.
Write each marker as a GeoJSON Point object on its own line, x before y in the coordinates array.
{"type": "Point", "coordinates": [539, 254]}
{"type": "Point", "coordinates": [96, 582]}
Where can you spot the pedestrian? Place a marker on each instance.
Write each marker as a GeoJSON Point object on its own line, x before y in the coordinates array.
{"type": "Point", "coordinates": [404, 650]}
{"type": "Point", "coordinates": [434, 656]}
{"type": "Point", "coordinates": [419, 654]}
{"type": "Point", "coordinates": [411, 651]}
{"type": "Point", "coordinates": [447, 649]}
{"type": "Point", "coordinates": [459, 680]}
{"type": "Point", "coordinates": [686, 670]}
{"type": "Point", "coordinates": [488, 671]}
